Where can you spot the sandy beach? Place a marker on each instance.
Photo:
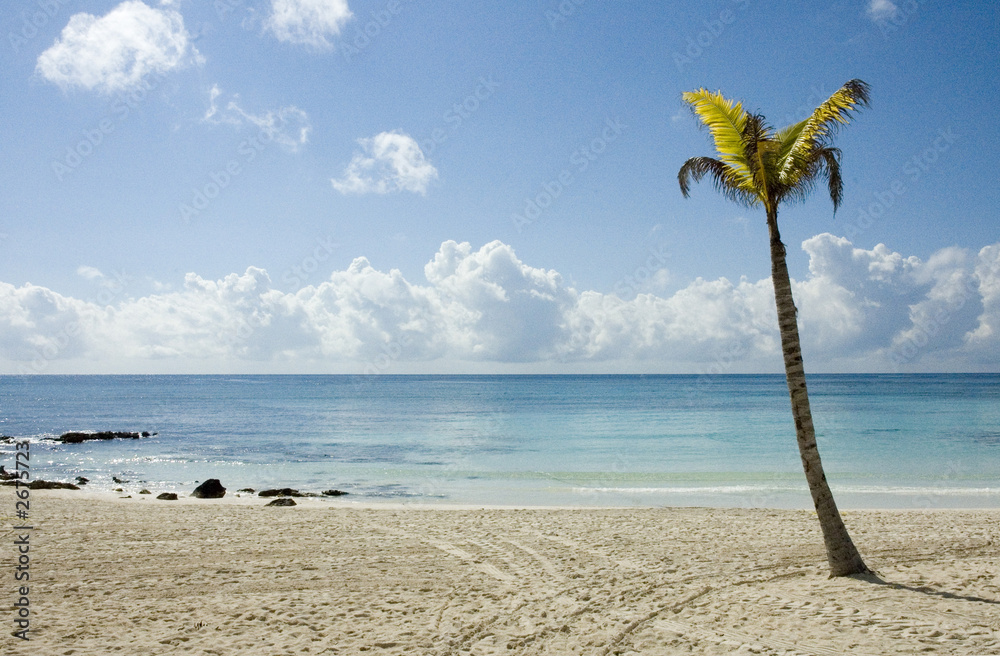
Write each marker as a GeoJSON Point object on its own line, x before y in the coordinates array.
{"type": "Point", "coordinates": [141, 576]}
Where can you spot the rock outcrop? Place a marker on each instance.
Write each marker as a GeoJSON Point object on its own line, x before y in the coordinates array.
{"type": "Point", "coordinates": [210, 489]}
{"type": "Point", "coordinates": [75, 437]}
{"type": "Point", "coordinates": [282, 492]}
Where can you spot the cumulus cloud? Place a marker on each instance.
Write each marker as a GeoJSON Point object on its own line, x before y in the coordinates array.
{"type": "Point", "coordinates": [117, 51]}
{"type": "Point", "coordinates": [880, 10]}
{"type": "Point", "coordinates": [288, 126]}
{"type": "Point", "coordinates": [860, 310]}
{"type": "Point", "coordinates": [308, 22]}
{"type": "Point", "coordinates": [89, 272]}
{"type": "Point", "coordinates": [390, 161]}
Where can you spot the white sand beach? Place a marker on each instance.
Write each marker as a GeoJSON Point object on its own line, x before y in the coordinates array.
{"type": "Point", "coordinates": [141, 576]}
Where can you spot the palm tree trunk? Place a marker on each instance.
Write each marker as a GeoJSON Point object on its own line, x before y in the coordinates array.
{"type": "Point", "coordinates": [841, 553]}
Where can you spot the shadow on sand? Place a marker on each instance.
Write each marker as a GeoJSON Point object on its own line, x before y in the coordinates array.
{"type": "Point", "coordinates": [875, 579]}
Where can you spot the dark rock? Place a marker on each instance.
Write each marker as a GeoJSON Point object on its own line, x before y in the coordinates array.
{"type": "Point", "coordinates": [210, 489]}
{"type": "Point", "coordinates": [6, 439]}
{"type": "Point", "coordinates": [126, 497]}
{"type": "Point", "coordinates": [75, 437]}
{"type": "Point", "coordinates": [333, 493]}
{"type": "Point", "coordinates": [247, 489]}
{"type": "Point", "coordinates": [283, 502]}
{"type": "Point", "coordinates": [167, 496]}
{"type": "Point", "coordinates": [43, 485]}
{"type": "Point", "coordinates": [82, 480]}
{"type": "Point", "coordinates": [144, 491]}
{"type": "Point", "coordinates": [51, 485]}
{"type": "Point", "coordinates": [118, 480]}
{"type": "Point", "coordinates": [283, 492]}
{"type": "Point", "coordinates": [118, 489]}
{"type": "Point", "coordinates": [6, 475]}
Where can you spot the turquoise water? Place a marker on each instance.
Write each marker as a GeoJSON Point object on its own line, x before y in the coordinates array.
{"type": "Point", "coordinates": [886, 440]}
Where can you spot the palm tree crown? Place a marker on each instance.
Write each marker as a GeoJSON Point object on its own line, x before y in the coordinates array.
{"type": "Point", "coordinates": [758, 165]}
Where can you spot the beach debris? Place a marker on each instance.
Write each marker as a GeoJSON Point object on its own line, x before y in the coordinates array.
{"type": "Point", "coordinates": [284, 501]}
{"type": "Point", "coordinates": [76, 437]}
{"type": "Point", "coordinates": [144, 491]}
{"type": "Point", "coordinates": [334, 493]}
{"type": "Point", "coordinates": [167, 496]}
{"type": "Point", "coordinates": [282, 492]}
{"type": "Point", "coordinates": [210, 489]}
{"type": "Point", "coordinates": [82, 480]}
{"type": "Point", "coordinates": [43, 485]}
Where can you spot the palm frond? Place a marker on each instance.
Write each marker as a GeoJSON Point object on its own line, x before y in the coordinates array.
{"type": "Point", "coordinates": [759, 147]}
{"type": "Point", "coordinates": [731, 183]}
{"type": "Point", "coordinates": [724, 118]}
{"type": "Point", "coordinates": [801, 140]}
{"type": "Point", "coordinates": [830, 158]}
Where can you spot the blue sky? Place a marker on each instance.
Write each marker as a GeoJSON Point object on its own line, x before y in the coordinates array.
{"type": "Point", "coordinates": [342, 186]}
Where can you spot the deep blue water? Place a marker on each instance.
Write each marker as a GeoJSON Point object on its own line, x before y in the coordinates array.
{"type": "Point", "coordinates": [886, 440]}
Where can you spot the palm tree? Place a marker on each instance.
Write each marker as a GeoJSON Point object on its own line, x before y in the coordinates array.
{"type": "Point", "coordinates": [758, 165]}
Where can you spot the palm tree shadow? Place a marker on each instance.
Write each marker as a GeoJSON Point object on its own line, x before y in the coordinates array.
{"type": "Point", "coordinates": [876, 580]}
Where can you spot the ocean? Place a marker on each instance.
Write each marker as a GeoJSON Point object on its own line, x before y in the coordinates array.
{"type": "Point", "coordinates": [887, 441]}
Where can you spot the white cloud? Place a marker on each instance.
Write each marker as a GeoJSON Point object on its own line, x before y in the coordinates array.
{"type": "Point", "coordinates": [390, 161]}
{"type": "Point", "coordinates": [288, 126]}
{"type": "Point", "coordinates": [308, 22]}
{"type": "Point", "coordinates": [89, 272]}
{"type": "Point", "coordinates": [860, 310]}
{"type": "Point", "coordinates": [880, 10]}
{"type": "Point", "coordinates": [119, 50]}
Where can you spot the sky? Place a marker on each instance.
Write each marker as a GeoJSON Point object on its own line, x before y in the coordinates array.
{"type": "Point", "coordinates": [395, 186]}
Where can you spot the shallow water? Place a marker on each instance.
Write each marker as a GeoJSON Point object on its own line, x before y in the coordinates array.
{"type": "Point", "coordinates": [886, 440]}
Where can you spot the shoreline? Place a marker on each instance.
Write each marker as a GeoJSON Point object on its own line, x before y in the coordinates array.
{"type": "Point", "coordinates": [116, 575]}
{"type": "Point", "coordinates": [247, 499]}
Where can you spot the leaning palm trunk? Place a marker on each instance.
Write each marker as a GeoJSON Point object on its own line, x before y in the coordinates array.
{"type": "Point", "coordinates": [841, 553]}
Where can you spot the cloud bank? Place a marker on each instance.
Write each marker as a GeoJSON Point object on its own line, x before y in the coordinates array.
{"type": "Point", "coordinates": [486, 310]}
{"type": "Point", "coordinates": [117, 51]}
